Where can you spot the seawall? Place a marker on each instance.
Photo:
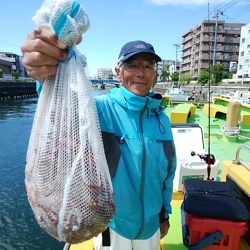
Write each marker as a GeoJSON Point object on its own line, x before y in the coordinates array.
{"type": "Point", "coordinates": [10, 89]}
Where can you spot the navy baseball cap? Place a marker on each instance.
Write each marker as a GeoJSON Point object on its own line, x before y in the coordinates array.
{"type": "Point", "coordinates": [135, 47]}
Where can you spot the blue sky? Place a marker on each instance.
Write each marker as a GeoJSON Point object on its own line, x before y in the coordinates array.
{"type": "Point", "coordinates": [113, 23]}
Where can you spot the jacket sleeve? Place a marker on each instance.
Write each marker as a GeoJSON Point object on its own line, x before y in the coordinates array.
{"type": "Point", "coordinates": [38, 87]}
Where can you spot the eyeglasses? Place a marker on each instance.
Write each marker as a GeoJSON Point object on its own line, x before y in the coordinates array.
{"type": "Point", "coordinates": [135, 67]}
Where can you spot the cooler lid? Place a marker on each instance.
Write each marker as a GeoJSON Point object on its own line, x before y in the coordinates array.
{"type": "Point", "coordinates": [188, 138]}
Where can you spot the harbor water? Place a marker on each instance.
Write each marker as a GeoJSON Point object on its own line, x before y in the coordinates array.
{"type": "Point", "coordinates": [18, 227]}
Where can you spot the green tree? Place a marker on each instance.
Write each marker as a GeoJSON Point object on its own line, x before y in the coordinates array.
{"type": "Point", "coordinates": [217, 72]}
{"type": "Point", "coordinates": [15, 74]}
{"type": "Point", "coordinates": [185, 78]}
{"type": "Point", "coordinates": [1, 73]}
{"type": "Point", "coordinates": [175, 76]}
{"type": "Point", "coordinates": [165, 74]}
{"type": "Point", "coordinates": [227, 75]}
{"type": "Point", "coordinates": [203, 77]}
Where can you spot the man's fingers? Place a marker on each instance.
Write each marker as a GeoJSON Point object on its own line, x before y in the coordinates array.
{"type": "Point", "coordinates": [41, 72]}
{"type": "Point", "coordinates": [34, 59]}
{"type": "Point", "coordinates": [49, 36]}
{"type": "Point", "coordinates": [46, 34]}
{"type": "Point", "coordinates": [43, 47]}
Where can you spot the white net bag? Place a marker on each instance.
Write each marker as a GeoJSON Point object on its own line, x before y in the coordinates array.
{"type": "Point", "coordinates": [66, 176]}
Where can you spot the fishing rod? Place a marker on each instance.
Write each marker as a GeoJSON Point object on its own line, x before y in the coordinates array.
{"type": "Point", "coordinates": [209, 100]}
{"type": "Point", "coordinates": [210, 159]}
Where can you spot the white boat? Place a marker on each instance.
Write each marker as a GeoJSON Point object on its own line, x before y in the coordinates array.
{"type": "Point", "coordinates": [237, 96]}
{"type": "Point", "coordinates": [178, 94]}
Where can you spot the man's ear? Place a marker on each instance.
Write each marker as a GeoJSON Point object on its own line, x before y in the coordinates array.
{"type": "Point", "coordinates": [118, 73]}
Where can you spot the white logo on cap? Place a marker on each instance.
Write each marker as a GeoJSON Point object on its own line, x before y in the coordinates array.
{"type": "Point", "coordinates": [140, 46]}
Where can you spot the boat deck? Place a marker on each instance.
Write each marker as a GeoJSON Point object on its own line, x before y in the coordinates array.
{"type": "Point", "coordinates": [173, 240]}
{"type": "Point", "coordinates": [223, 147]}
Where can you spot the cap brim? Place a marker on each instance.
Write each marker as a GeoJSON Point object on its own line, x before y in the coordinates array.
{"type": "Point", "coordinates": [156, 57]}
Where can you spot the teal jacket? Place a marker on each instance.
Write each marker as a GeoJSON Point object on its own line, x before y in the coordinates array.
{"type": "Point", "coordinates": [140, 153]}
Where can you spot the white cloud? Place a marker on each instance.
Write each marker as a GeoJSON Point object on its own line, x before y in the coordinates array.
{"type": "Point", "coordinates": [187, 2]}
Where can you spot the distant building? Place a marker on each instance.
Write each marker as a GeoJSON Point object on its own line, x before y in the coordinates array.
{"type": "Point", "coordinates": [7, 58]}
{"type": "Point", "coordinates": [6, 66]}
{"type": "Point", "coordinates": [199, 50]}
{"type": "Point", "coordinates": [104, 73]}
{"type": "Point", "coordinates": [243, 70]}
{"type": "Point", "coordinates": [172, 67]}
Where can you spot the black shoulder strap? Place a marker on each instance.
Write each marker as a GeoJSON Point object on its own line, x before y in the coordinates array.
{"type": "Point", "coordinates": [169, 151]}
{"type": "Point", "coordinates": [106, 238]}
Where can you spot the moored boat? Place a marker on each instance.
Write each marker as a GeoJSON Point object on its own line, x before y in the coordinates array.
{"type": "Point", "coordinates": [178, 94]}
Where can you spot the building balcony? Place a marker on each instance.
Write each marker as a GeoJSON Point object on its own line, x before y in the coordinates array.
{"type": "Point", "coordinates": [220, 48]}
{"type": "Point", "coordinates": [231, 58]}
{"type": "Point", "coordinates": [204, 65]}
{"type": "Point", "coordinates": [185, 54]}
{"type": "Point", "coordinates": [187, 38]}
{"type": "Point", "coordinates": [219, 57]}
{"type": "Point", "coordinates": [206, 39]}
{"type": "Point", "coordinates": [205, 57]}
{"type": "Point", "coordinates": [206, 48]}
{"type": "Point", "coordinates": [186, 60]}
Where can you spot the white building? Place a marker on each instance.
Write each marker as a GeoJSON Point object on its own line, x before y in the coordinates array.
{"type": "Point", "coordinates": [10, 57]}
{"type": "Point", "coordinates": [172, 67]}
{"type": "Point", "coordinates": [15, 61]}
{"type": "Point", "coordinates": [104, 73]}
{"type": "Point", "coordinates": [243, 70]}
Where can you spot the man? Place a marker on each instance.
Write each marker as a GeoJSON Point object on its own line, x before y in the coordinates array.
{"type": "Point", "coordinates": [137, 140]}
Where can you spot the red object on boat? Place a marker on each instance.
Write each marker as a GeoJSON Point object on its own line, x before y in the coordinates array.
{"type": "Point", "coordinates": [200, 227]}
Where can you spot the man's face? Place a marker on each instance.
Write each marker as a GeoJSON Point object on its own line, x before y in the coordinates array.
{"type": "Point", "coordinates": [138, 73]}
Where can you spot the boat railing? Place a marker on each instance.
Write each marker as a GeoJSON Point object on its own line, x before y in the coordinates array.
{"type": "Point", "coordinates": [66, 246]}
{"type": "Point", "coordinates": [239, 161]}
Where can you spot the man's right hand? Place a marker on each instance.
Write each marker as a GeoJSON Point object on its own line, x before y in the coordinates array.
{"type": "Point", "coordinates": [42, 52]}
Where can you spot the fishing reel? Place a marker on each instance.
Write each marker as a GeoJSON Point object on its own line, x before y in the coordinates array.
{"type": "Point", "coordinates": [208, 158]}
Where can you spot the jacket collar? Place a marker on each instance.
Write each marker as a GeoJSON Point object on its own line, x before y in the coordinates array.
{"type": "Point", "coordinates": [134, 102]}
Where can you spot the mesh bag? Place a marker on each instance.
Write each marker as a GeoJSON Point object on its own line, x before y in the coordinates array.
{"type": "Point", "coordinates": [66, 176]}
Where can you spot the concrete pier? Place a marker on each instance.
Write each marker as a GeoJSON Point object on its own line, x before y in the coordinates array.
{"type": "Point", "coordinates": [10, 89]}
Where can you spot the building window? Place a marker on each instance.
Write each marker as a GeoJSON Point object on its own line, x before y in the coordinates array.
{"type": "Point", "coordinates": [243, 40]}
{"type": "Point", "coordinates": [229, 39]}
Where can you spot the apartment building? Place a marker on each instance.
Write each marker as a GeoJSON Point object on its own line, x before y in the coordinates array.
{"type": "Point", "coordinates": [243, 70]}
{"type": "Point", "coordinates": [211, 42]}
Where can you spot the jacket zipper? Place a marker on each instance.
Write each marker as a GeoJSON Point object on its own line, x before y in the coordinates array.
{"type": "Point", "coordinates": [143, 171]}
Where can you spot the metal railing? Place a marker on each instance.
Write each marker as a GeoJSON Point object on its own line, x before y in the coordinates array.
{"type": "Point", "coordinates": [239, 161]}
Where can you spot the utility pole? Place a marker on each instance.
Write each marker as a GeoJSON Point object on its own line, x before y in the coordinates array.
{"type": "Point", "coordinates": [217, 13]}
{"type": "Point", "coordinates": [177, 46]}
